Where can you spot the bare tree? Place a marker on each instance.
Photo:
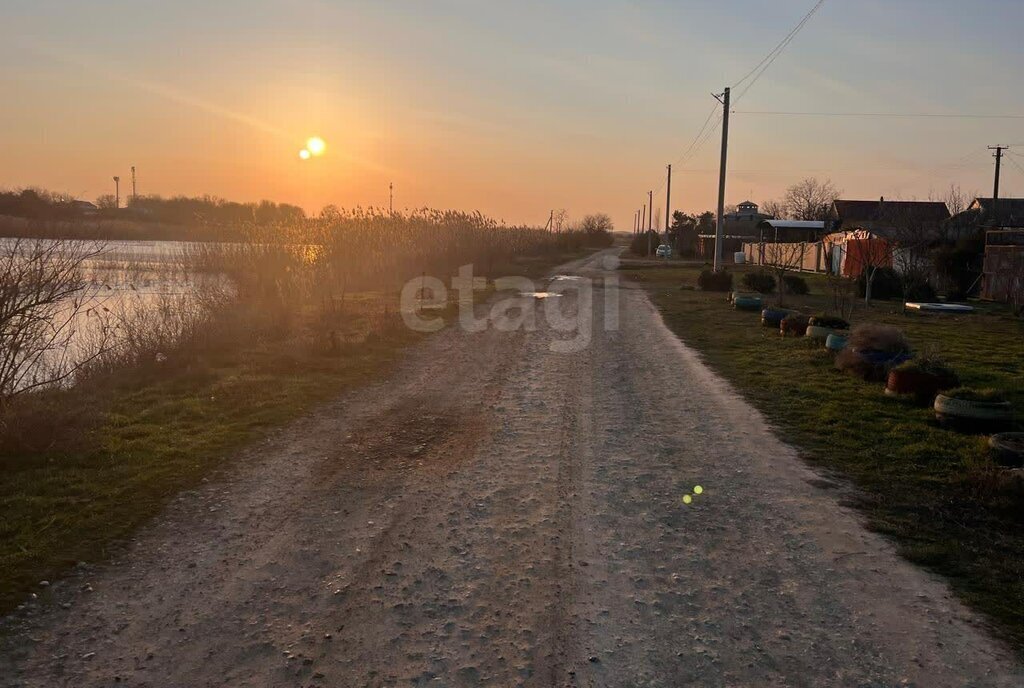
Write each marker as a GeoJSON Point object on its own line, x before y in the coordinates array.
{"type": "Point", "coordinates": [559, 219]}
{"type": "Point", "coordinates": [810, 199]}
{"type": "Point", "coordinates": [776, 209]}
{"type": "Point", "coordinates": [781, 259]}
{"type": "Point", "coordinates": [43, 297]}
{"type": "Point", "coordinates": [596, 223]}
{"type": "Point", "coordinates": [902, 244]}
{"type": "Point", "coordinates": [957, 200]}
{"type": "Point", "coordinates": [106, 202]}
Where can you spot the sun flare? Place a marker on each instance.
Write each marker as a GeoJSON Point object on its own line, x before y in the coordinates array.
{"type": "Point", "coordinates": [305, 154]}
{"type": "Point", "coordinates": [316, 145]}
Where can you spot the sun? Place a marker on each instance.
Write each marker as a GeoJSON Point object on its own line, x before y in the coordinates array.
{"type": "Point", "coordinates": [305, 154]}
{"type": "Point", "coordinates": [316, 145]}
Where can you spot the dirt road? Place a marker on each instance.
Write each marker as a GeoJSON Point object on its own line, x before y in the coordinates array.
{"type": "Point", "coordinates": [497, 513]}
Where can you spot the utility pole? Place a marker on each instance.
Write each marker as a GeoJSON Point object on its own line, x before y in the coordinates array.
{"type": "Point", "coordinates": [668, 202]}
{"type": "Point", "coordinates": [135, 195]}
{"type": "Point", "coordinates": [650, 219]}
{"type": "Point", "coordinates": [995, 188]}
{"type": "Point", "coordinates": [117, 192]}
{"type": "Point", "coordinates": [643, 218]}
{"type": "Point", "coordinates": [391, 198]}
{"type": "Point", "coordinates": [724, 100]}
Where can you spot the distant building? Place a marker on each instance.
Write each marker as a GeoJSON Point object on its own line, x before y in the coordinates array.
{"type": "Point", "coordinates": [983, 214]}
{"type": "Point", "coordinates": [739, 227]}
{"type": "Point", "coordinates": [84, 207]}
{"type": "Point", "coordinates": [788, 231]}
{"type": "Point", "coordinates": [882, 216]}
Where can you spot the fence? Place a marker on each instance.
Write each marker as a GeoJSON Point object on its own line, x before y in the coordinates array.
{"type": "Point", "coordinates": [1004, 266]}
{"type": "Point", "coordinates": [803, 256]}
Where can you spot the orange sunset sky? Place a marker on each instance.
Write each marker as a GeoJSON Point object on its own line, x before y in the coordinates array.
{"type": "Point", "coordinates": [509, 108]}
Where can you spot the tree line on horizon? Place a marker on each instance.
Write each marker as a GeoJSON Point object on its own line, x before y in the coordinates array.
{"type": "Point", "coordinates": [40, 204]}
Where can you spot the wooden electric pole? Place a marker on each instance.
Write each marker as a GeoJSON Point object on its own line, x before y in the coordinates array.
{"type": "Point", "coordinates": [650, 219]}
{"type": "Point", "coordinates": [117, 192]}
{"type": "Point", "coordinates": [995, 188]}
{"type": "Point", "coordinates": [724, 100]}
{"type": "Point", "coordinates": [668, 203]}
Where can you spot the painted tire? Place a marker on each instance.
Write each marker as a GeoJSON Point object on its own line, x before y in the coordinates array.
{"type": "Point", "coordinates": [1008, 449]}
{"type": "Point", "coordinates": [818, 332]}
{"type": "Point", "coordinates": [748, 303]}
{"type": "Point", "coordinates": [793, 325]}
{"type": "Point", "coordinates": [924, 386]}
{"type": "Point", "coordinates": [974, 416]}
{"type": "Point", "coordinates": [835, 342]}
{"type": "Point", "coordinates": [772, 317]}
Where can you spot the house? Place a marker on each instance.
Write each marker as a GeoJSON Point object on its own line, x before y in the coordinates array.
{"type": "Point", "coordinates": [887, 216]}
{"type": "Point", "coordinates": [739, 227]}
{"type": "Point", "coordinates": [848, 252]}
{"type": "Point", "coordinates": [1007, 213]}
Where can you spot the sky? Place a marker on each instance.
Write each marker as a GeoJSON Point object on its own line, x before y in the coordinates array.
{"type": "Point", "coordinates": [511, 108]}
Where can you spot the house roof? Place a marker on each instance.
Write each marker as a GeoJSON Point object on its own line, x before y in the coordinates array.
{"type": "Point", "coordinates": [794, 224]}
{"type": "Point", "coordinates": [1008, 207]}
{"type": "Point", "coordinates": [873, 211]}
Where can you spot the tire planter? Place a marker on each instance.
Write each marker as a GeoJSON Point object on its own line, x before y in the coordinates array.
{"type": "Point", "coordinates": [973, 416]}
{"type": "Point", "coordinates": [1007, 449]}
{"type": "Point", "coordinates": [833, 323]}
{"type": "Point", "coordinates": [793, 325]}
{"type": "Point", "coordinates": [772, 317]}
{"type": "Point", "coordinates": [819, 332]}
{"type": "Point", "coordinates": [835, 342]}
{"type": "Point", "coordinates": [748, 303]}
{"type": "Point", "coordinates": [924, 386]}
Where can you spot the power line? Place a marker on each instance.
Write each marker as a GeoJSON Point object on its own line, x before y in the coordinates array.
{"type": "Point", "coordinates": [770, 58]}
{"type": "Point", "coordinates": [704, 134]}
{"type": "Point", "coordinates": [1015, 163]}
{"type": "Point", "coordinates": [937, 115]}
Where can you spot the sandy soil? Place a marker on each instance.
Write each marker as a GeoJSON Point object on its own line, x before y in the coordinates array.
{"type": "Point", "coordinates": [500, 514]}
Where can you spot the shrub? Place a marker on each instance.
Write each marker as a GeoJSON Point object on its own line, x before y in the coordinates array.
{"type": "Point", "coordinates": [795, 285]}
{"type": "Point", "coordinates": [715, 281]}
{"type": "Point", "coordinates": [882, 338]}
{"type": "Point", "coordinates": [928, 365]}
{"type": "Point", "coordinates": [956, 268]}
{"type": "Point", "coordinates": [830, 321]}
{"type": "Point", "coordinates": [886, 285]}
{"type": "Point", "coordinates": [760, 282]}
{"type": "Point", "coordinates": [849, 361]}
{"type": "Point", "coordinates": [920, 291]}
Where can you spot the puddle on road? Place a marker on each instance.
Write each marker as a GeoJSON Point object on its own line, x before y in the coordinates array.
{"type": "Point", "coordinates": [557, 278]}
{"type": "Point", "coordinates": [539, 294]}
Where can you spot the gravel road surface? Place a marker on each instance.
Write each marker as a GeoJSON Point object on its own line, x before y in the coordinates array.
{"type": "Point", "coordinates": [500, 513]}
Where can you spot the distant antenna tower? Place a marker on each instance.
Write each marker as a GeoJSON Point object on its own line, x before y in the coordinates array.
{"type": "Point", "coordinates": [135, 195]}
